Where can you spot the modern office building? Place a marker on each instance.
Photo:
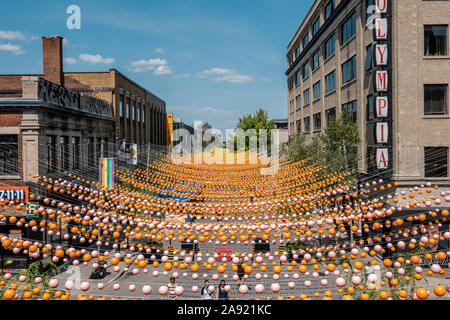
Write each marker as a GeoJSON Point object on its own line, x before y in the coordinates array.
{"type": "Point", "coordinates": [386, 62]}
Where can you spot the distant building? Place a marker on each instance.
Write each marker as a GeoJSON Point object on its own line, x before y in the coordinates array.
{"type": "Point", "coordinates": [140, 115]}
{"type": "Point", "coordinates": [179, 124]}
{"type": "Point", "coordinates": [283, 127]}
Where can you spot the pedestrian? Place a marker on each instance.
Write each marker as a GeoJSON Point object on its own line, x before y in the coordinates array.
{"type": "Point", "coordinates": [240, 272]}
{"type": "Point", "coordinates": [171, 286]}
{"type": "Point", "coordinates": [221, 293]}
{"type": "Point", "coordinates": [205, 293]}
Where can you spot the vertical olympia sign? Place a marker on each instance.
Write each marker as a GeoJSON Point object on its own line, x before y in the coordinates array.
{"type": "Point", "coordinates": [382, 78]}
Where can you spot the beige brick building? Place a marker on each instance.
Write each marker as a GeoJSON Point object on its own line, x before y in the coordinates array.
{"type": "Point", "coordinates": [388, 63]}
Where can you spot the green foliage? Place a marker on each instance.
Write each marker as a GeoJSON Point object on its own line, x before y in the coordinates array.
{"type": "Point", "coordinates": [328, 148]}
{"type": "Point", "coordinates": [257, 121]}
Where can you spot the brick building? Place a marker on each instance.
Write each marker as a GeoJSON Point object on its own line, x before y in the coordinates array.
{"type": "Point", "coordinates": [387, 63]}
{"type": "Point", "coordinates": [140, 115]}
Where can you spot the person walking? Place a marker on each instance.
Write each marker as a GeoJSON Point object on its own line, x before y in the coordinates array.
{"type": "Point", "coordinates": [205, 293]}
{"type": "Point", "coordinates": [221, 293]}
{"type": "Point", "coordinates": [240, 272]}
{"type": "Point", "coordinates": [171, 286]}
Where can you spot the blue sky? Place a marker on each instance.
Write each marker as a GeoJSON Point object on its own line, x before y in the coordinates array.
{"type": "Point", "coordinates": [212, 60]}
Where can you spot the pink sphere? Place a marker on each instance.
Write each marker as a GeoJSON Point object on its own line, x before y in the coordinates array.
{"type": "Point", "coordinates": [243, 289]}
{"type": "Point", "coordinates": [163, 290]}
{"type": "Point", "coordinates": [146, 289]}
{"type": "Point", "coordinates": [179, 290]}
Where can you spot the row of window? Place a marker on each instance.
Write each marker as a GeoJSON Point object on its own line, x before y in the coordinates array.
{"type": "Point", "coordinates": [133, 110]}
{"type": "Point", "coordinates": [435, 161]}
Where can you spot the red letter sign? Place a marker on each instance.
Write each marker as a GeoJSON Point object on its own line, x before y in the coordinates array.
{"type": "Point", "coordinates": [381, 29]}
{"type": "Point", "coordinates": [382, 158]}
{"type": "Point", "coordinates": [382, 107]}
{"type": "Point", "coordinates": [381, 79]}
{"type": "Point", "coordinates": [381, 53]}
{"type": "Point", "coordinates": [382, 132]}
{"type": "Point", "coordinates": [381, 6]}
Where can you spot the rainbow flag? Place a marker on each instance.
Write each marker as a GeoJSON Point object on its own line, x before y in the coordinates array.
{"type": "Point", "coordinates": [106, 172]}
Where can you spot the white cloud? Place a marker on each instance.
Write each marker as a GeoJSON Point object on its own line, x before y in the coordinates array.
{"type": "Point", "coordinates": [182, 76]}
{"type": "Point", "coordinates": [11, 35]}
{"type": "Point", "coordinates": [34, 38]}
{"type": "Point", "coordinates": [70, 60]}
{"type": "Point", "coordinates": [65, 42]}
{"type": "Point", "coordinates": [162, 71]}
{"type": "Point", "coordinates": [95, 59]}
{"type": "Point", "coordinates": [159, 50]}
{"type": "Point", "coordinates": [15, 49]}
{"type": "Point", "coordinates": [145, 65]}
{"type": "Point", "coordinates": [186, 55]}
{"type": "Point", "coordinates": [225, 75]}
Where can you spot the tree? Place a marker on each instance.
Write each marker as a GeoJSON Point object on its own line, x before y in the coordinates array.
{"type": "Point", "coordinates": [257, 121]}
{"type": "Point", "coordinates": [328, 148]}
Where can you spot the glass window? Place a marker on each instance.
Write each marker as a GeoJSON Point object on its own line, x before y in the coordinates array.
{"type": "Point", "coordinates": [435, 40]}
{"type": "Point", "coordinates": [121, 105]}
{"type": "Point", "coordinates": [317, 90]}
{"type": "Point", "coordinates": [299, 126]}
{"type": "Point", "coordinates": [76, 153]}
{"type": "Point", "coordinates": [318, 121]}
{"type": "Point", "coordinates": [306, 97]}
{"type": "Point", "coordinates": [51, 154]}
{"type": "Point", "coordinates": [299, 101]}
{"type": "Point", "coordinates": [305, 41]}
{"type": "Point", "coordinates": [436, 162]}
{"type": "Point", "coordinates": [369, 58]}
{"type": "Point", "coordinates": [370, 108]}
{"type": "Point", "coordinates": [143, 114]}
{"type": "Point", "coordinates": [91, 152]}
{"type": "Point", "coordinates": [329, 9]}
{"type": "Point", "coordinates": [352, 108]}
{"type": "Point", "coordinates": [307, 124]}
{"type": "Point", "coordinates": [330, 81]}
{"type": "Point", "coordinates": [316, 60]}
{"type": "Point", "coordinates": [9, 155]}
{"type": "Point", "coordinates": [297, 78]}
{"type": "Point", "coordinates": [331, 115]}
{"type": "Point", "coordinates": [128, 108]}
{"type": "Point", "coordinates": [316, 26]}
{"type": "Point", "coordinates": [330, 46]}
{"type": "Point", "coordinates": [348, 29]}
{"type": "Point", "coordinates": [297, 51]}
{"type": "Point", "coordinates": [133, 111]}
{"type": "Point", "coordinates": [306, 70]}
{"type": "Point", "coordinates": [370, 14]}
{"type": "Point", "coordinates": [349, 70]}
{"type": "Point", "coordinates": [435, 99]}
{"type": "Point", "coordinates": [64, 153]}
{"type": "Point", "coordinates": [139, 113]}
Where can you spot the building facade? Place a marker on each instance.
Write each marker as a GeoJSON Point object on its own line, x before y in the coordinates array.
{"type": "Point", "coordinates": [283, 129]}
{"type": "Point", "coordinates": [387, 63]}
{"type": "Point", "coordinates": [50, 129]}
{"type": "Point", "coordinates": [140, 115]}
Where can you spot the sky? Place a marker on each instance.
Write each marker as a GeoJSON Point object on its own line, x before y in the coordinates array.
{"type": "Point", "coordinates": [212, 61]}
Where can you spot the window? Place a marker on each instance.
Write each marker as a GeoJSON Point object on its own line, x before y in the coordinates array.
{"type": "Point", "coordinates": [9, 155]}
{"type": "Point", "coordinates": [121, 106]}
{"type": "Point", "coordinates": [64, 153]}
{"type": "Point", "coordinates": [435, 40]}
{"type": "Point", "coordinates": [143, 114]}
{"type": "Point", "coordinates": [348, 29]}
{"type": "Point", "coordinates": [128, 108]}
{"type": "Point", "coordinates": [307, 124]}
{"type": "Point", "coordinates": [317, 90]}
{"type": "Point", "coordinates": [435, 99]}
{"type": "Point", "coordinates": [371, 159]}
{"type": "Point", "coordinates": [436, 162]}
{"type": "Point", "coordinates": [133, 112]}
{"type": "Point", "coordinates": [139, 113]}
{"type": "Point", "coordinates": [331, 115]}
{"type": "Point", "coordinates": [76, 153]}
{"type": "Point", "coordinates": [318, 121]}
{"type": "Point", "coordinates": [351, 107]}
{"type": "Point", "coordinates": [349, 70]}
{"type": "Point", "coordinates": [316, 60]}
{"type": "Point", "coordinates": [370, 108]}
{"type": "Point", "coordinates": [369, 58]}
{"type": "Point", "coordinates": [330, 46]}
{"type": "Point", "coordinates": [51, 154]}
{"type": "Point", "coordinates": [297, 78]}
{"type": "Point", "coordinates": [329, 9]}
{"type": "Point", "coordinates": [316, 26]}
{"type": "Point", "coordinates": [291, 83]}
{"type": "Point", "coordinates": [299, 101]}
{"type": "Point", "coordinates": [330, 81]}
{"type": "Point", "coordinates": [91, 152]}
{"type": "Point", "coordinates": [299, 126]}
{"type": "Point", "coordinates": [370, 14]}
{"type": "Point", "coordinates": [306, 97]}
{"type": "Point", "coordinates": [297, 52]}
{"type": "Point", "coordinates": [305, 41]}
{"type": "Point", "coordinates": [305, 70]}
